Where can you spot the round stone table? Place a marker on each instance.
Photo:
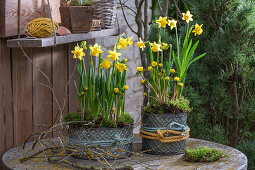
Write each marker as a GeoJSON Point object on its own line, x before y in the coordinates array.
{"type": "Point", "coordinates": [235, 161]}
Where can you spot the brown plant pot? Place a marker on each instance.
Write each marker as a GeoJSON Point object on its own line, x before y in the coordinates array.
{"type": "Point", "coordinates": [78, 19]}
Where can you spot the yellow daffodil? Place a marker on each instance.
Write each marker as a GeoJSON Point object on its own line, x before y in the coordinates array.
{"type": "Point", "coordinates": [82, 93]}
{"type": "Point", "coordinates": [139, 69]}
{"type": "Point", "coordinates": [154, 63]}
{"type": "Point", "coordinates": [162, 22]}
{"type": "Point", "coordinates": [167, 78]}
{"type": "Point", "coordinates": [125, 60]}
{"type": "Point", "coordinates": [122, 43]}
{"type": "Point", "coordinates": [172, 71]}
{"type": "Point", "coordinates": [164, 46]}
{"type": "Point", "coordinates": [160, 65]}
{"type": "Point", "coordinates": [78, 52]}
{"type": "Point", "coordinates": [145, 94]}
{"type": "Point", "coordinates": [150, 68]}
{"type": "Point", "coordinates": [187, 16]}
{"type": "Point", "coordinates": [116, 65]}
{"type": "Point", "coordinates": [113, 55]}
{"type": "Point", "coordinates": [122, 67]}
{"type": "Point", "coordinates": [125, 87]}
{"type": "Point", "coordinates": [129, 40]}
{"type": "Point", "coordinates": [140, 44]}
{"type": "Point", "coordinates": [181, 84]}
{"type": "Point", "coordinates": [113, 109]}
{"type": "Point", "coordinates": [177, 79]}
{"type": "Point", "coordinates": [95, 50]}
{"type": "Point", "coordinates": [172, 23]}
{"type": "Point", "coordinates": [160, 74]}
{"type": "Point", "coordinates": [86, 89]}
{"type": "Point", "coordinates": [106, 64]}
{"type": "Point", "coordinates": [143, 81]}
{"type": "Point", "coordinates": [155, 47]}
{"type": "Point", "coordinates": [83, 45]}
{"type": "Point", "coordinates": [116, 90]}
{"type": "Point", "coordinates": [198, 29]}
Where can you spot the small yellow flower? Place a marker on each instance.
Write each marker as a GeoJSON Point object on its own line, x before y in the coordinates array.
{"type": "Point", "coordinates": [162, 22]}
{"type": "Point", "coordinates": [164, 46]}
{"type": "Point", "coordinates": [177, 79]}
{"type": "Point", "coordinates": [155, 47]}
{"type": "Point", "coordinates": [113, 55]}
{"type": "Point", "coordinates": [143, 81]}
{"type": "Point", "coordinates": [83, 45]}
{"type": "Point", "coordinates": [198, 29]}
{"type": "Point", "coordinates": [160, 65]}
{"type": "Point", "coordinates": [181, 84]}
{"type": "Point", "coordinates": [106, 64]}
{"type": "Point", "coordinates": [150, 68]}
{"type": "Point", "coordinates": [86, 89]}
{"type": "Point", "coordinates": [121, 67]}
{"type": "Point", "coordinates": [140, 44]}
{"type": "Point", "coordinates": [122, 43]}
{"type": "Point", "coordinates": [78, 52]}
{"type": "Point", "coordinates": [145, 94]}
{"type": "Point", "coordinates": [167, 78]}
{"type": "Point", "coordinates": [172, 71]}
{"type": "Point", "coordinates": [113, 109]}
{"type": "Point", "coordinates": [172, 23]}
{"type": "Point", "coordinates": [82, 93]}
{"type": "Point", "coordinates": [125, 60]}
{"type": "Point", "coordinates": [187, 16]}
{"type": "Point", "coordinates": [123, 94]}
{"type": "Point", "coordinates": [125, 87]}
{"type": "Point", "coordinates": [160, 74]}
{"type": "Point", "coordinates": [154, 63]}
{"type": "Point", "coordinates": [139, 69]}
{"type": "Point", "coordinates": [116, 90]}
{"type": "Point", "coordinates": [129, 40]}
{"type": "Point", "coordinates": [95, 50]}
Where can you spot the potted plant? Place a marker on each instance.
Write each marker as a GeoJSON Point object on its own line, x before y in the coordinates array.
{"type": "Point", "coordinates": [101, 123]}
{"type": "Point", "coordinates": [164, 120]}
{"type": "Point", "coordinates": [77, 15]}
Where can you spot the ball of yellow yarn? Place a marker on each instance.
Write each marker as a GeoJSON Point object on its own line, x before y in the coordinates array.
{"type": "Point", "coordinates": [40, 27]}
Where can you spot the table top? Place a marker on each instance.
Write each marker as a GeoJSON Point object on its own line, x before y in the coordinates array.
{"type": "Point", "coordinates": [236, 159]}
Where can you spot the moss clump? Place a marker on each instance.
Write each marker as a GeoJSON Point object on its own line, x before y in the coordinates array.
{"type": "Point", "coordinates": [178, 106]}
{"type": "Point", "coordinates": [75, 117]}
{"type": "Point", "coordinates": [203, 154]}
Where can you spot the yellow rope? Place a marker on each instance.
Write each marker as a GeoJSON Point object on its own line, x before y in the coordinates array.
{"type": "Point", "coordinates": [40, 27]}
{"type": "Point", "coordinates": [161, 135]}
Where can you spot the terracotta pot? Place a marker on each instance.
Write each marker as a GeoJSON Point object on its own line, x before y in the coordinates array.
{"type": "Point", "coordinates": [78, 19]}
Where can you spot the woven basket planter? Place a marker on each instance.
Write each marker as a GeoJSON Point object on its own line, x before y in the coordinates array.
{"type": "Point", "coordinates": [162, 121]}
{"type": "Point", "coordinates": [105, 10]}
{"type": "Point", "coordinates": [116, 141]}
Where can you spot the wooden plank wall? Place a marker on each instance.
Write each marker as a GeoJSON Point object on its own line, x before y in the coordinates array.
{"type": "Point", "coordinates": [26, 106]}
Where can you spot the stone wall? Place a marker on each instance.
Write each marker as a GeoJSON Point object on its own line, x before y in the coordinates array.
{"type": "Point", "coordinates": [134, 96]}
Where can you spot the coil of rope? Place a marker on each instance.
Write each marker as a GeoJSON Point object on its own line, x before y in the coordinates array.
{"type": "Point", "coordinates": [162, 133]}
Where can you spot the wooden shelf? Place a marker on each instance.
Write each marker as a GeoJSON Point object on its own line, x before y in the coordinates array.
{"type": "Point", "coordinates": [49, 41]}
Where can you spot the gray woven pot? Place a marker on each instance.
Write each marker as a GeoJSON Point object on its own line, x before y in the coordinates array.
{"type": "Point", "coordinates": [161, 121]}
{"type": "Point", "coordinates": [116, 141]}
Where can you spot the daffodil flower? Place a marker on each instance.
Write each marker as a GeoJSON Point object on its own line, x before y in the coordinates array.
{"type": "Point", "coordinates": [155, 47]}
{"type": "Point", "coordinates": [172, 71]}
{"type": "Point", "coordinates": [164, 46]}
{"type": "Point", "coordinates": [198, 29]}
{"type": "Point", "coordinates": [187, 16]}
{"type": "Point", "coordinates": [139, 69]}
{"type": "Point", "coordinates": [177, 79]}
{"type": "Point", "coordinates": [167, 78]}
{"type": "Point", "coordinates": [162, 22]}
{"type": "Point", "coordinates": [122, 67]}
{"type": "Point", "coordinates": [78, 52]}
{"type": "Point", "coordinates": [122, 43]}
{"type": "Point", "coordinates": [140, 44]}
{"type": "Point", "coordinates": [116, 90]}
{"type": "Point", "coordinates": [129, 40]}
{"type": "Point", "coordinates": [113, 55]}
{"type": "Point", "coordinates": [95, 50]}
{"type": "Point", "coordinates": [181, 84]}
{"type": "Point", "coordinates": [172, 23]}
{"type": "Point", "coordinates": [143, 81]}
{"type": "Point", "coordinates": [125, 87]}
{"type": "Point", "coordinates": [154, 63]}
{"type": "Point", "coordinates": [105, 64]}
{"type": "Point", "coordinates": [149, 68]}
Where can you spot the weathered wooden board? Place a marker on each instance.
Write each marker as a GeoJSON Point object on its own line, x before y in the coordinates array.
{"type": "Point", "coordinates": [49, 41]}
{"type": "Point", "coordinates": [30, 9]}
{"type": "Point", "coordinates": [42, 96]}
{"type": "Point", "coordinates": [22, 95]}
{"type": "Point", "coordinates": [60, 78]}
{"type": "Point", "coordinates": [6, 116]}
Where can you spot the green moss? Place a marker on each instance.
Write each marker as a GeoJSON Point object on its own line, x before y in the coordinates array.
{"type": "Point", "coordinates": [203, 154]}
{"type": "Point", "coordinates": [126, 119]}
{"type": "Point", "coordinates": [178, 106]}
{"type": "Point", "coordinates": [73, 116]}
